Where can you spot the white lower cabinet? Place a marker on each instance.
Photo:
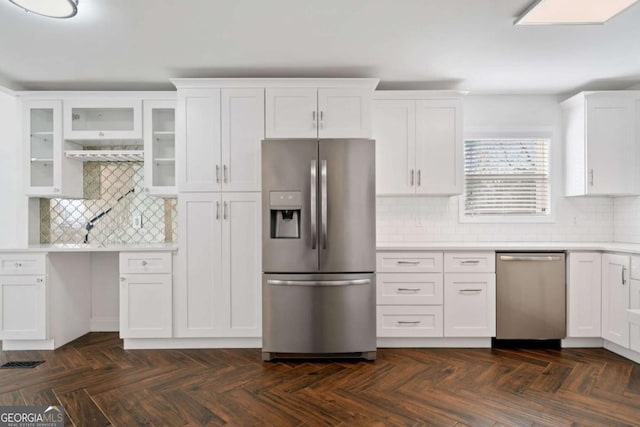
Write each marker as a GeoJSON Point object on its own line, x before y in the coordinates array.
{"type": "Point", "coordinates": [146, 298]}
{"type": "Point", "coordinates": [615, 298]}
{"type": "Point", "coordinates": [584, 294]}
{"type": "Point", "coordinates": [409, 321]}
{"type": "Point", "coordinates": [634, 303]}
{"type": "Point", "coordinates": [409, 288]}
{"type": "Point", "coordinates": [219, 291]}
{"type": "Point", "coordinates": [469, 304]}
{"type": "Point", "coordinates": [23, 302]}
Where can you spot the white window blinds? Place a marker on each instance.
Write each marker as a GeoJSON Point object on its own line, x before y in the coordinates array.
{"type": "Point", "coordinates": [506, 177]}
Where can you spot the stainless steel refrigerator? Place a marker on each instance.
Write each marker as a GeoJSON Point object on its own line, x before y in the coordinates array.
{"type": "Point", "coordinates": [318, 248]}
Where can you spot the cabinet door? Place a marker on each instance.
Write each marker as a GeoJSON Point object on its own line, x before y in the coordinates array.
{"type": "Point", "coordinates": [242, 263]}
{"type": "Point", "coordinates": [23, 301]}
{"type": "Point", "coordinates": [634, 303]}
{"type": "Point", "coordinates": [409, 320]}
{"type": "Point", "coordinates": [242, 134]}
{"type": "Point", "coordinates": [470, 305]}
{"type": "Point", "coordinates": [615, 298]}
{"type": "Point", "coordinates": [160, 147]}
{"type": "Point", "coordinates": [145, 306]}
{"type": "Point", "coordinates": [291, 113]}
{"type": "Point", "coordinates": [612, 149]}
{"type": "Point", "coordinates": [439, 147]}
{"type": "Point", "coordinates": [394, 124]}
{"type": "Point", "coordinates": [344, 113]}
{"type": "Point", "coordinates": [584, 294]}
{"type": "Point", "coordinates": [200, 291]}
{"type": "Point", "coordinates": [102, 119]}
{"type": "Point", "coordinates": [198, 140]}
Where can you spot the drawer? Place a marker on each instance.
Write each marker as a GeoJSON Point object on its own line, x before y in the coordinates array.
{"type": "Point", "coordinates": [409, 288]}
{"type": "Point", "coordinates": [635, 267]}
{"type": "Point", "coordinates": [145, 262]}
{"type": "Point", "coordinates": [23, 264]}
{"type": "Point", "coordinates": [409, 262]}
{"type": "Point", "coordinates": [409, 320]}
{"type": "Point", "coordinates": [472, 262]}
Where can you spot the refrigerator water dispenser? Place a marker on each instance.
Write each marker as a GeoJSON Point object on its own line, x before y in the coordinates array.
{"type": "Point", "coordinates": [285, 210]}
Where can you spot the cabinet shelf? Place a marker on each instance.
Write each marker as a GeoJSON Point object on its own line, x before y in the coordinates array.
{"type": "Point", "coordinates": [164, 135]}
{"type": "Point", "coordinates": [164, 161]}
{"type": "Point", "coordinates": [41, 160]}
{"type": "Point", "coordinates": [106, 155]}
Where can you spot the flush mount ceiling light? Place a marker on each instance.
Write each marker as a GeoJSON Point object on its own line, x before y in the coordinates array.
{"type": "Point", "coordinates": [50, 8]}
{"type": "Point", "coordinates": [572, 11]}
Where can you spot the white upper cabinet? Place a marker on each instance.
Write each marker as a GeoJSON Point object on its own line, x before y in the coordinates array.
{"type": "Point", "coordinates": [584, 294]}
{"type": "Point", "coordinates": [323, 108]}
{"type": "Point", "coordinates": [198, 140]}
{"type": "Point", "coordinates": [242, 134]}
{"type": "Point", "coordinates": [219, 132]}
{"type": "Point", "coordinates": [418, 143]}
{"type": "Point", "coordinates": [103, 119]}
{"type": "Point", "coordinates": [602, 154]}
{"type": "Point", "coordinates": [160, 147]}
{"type": "Point", "coordinates": [49, 172]}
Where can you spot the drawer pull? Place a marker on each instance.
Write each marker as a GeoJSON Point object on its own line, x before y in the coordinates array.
{"type": "Point", "coordinates": [18, 264]}
{"type": "Point", "coordinates": [408, 322]}
{"type": "Point", "coordinates": [144, 263]}
{"type": "Point", "coordinates": [407, 262]}
{"type": "Point", "coordinates": [470, 261]}
{"type": "Point", "coordinates": [408, 289]}
{"type": "Point", "coordinates": [462, 291]}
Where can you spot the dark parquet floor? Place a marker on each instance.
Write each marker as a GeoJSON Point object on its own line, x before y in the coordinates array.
{"type": "Point", "coordinates": [99, 384]}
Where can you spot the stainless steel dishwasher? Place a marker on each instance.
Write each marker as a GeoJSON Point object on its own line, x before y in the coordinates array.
{"type": "Point", "coordinates": [531, 296]}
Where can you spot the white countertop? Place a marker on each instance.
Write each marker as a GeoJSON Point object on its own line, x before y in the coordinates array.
{"type": "Point", "coordinates": [82, 247]}
{"type": "Point", "coordinates": [509, 246]}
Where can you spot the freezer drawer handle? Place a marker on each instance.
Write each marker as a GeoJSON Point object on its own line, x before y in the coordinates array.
{"type": "Point", "coordinates": [408, 289]}
{"type": "Point", "coordinates": [314, 184]}
{"type": "Point", "coordinates": [407, 322]}
{"type": "Point", "coordinates": [530, 258]}
{"type": "Point", "coordinates": [319, 282]}
{"type": "Point", "coordinates": [407, 262]}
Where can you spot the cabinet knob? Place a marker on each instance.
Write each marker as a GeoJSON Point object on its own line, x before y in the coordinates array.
{"type": "Point", "coordinates": [144, 263]}
{"type": "Point", "coordinates": [56, 190]}
{"type": "Point", "coordinates": [39, 280]}
{"type": "Point", "coordinates": [122, 279]}
{"type": "Point", "coordinates": [100, 133]}
{"type": "Point", "coordinates": [18, 264]}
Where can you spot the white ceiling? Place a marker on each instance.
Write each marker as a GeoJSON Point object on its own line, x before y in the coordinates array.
{"type": "Point", "coordinates": [432, 44]}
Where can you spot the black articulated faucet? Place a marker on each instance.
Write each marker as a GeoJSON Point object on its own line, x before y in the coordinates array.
{"type": "Point", "coordinates": [96, 218]}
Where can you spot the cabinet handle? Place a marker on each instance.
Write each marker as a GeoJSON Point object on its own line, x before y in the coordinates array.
{"type": "Point", "coordinates": [407, 262]}
{"type": "Point", "coordinates": [408, 289]}
{"type": "Point", "coordinates": [313, 115]}
{"type": "Point", "coordinates": [624, 281]}
{"type": "Point", "coordinates": [419, 177]}
{"type": "Point", "coordinates": [18, 264]}
{"type": "Point", "coordinates": [412, 177]}
{"type": "Point", "coordinates": [224, 172]}
{"type": "Point", "coordinates": [100, 133]}
{"type": "Point", "coordinates": [144, 263]}
{"type": "Point", "coordinates": [217, 210]}
{"type": "Point", "coordinates": [407, 322]}
{"type": "Point", "coordinates": [225, 216]}
{"type": "Point", "coordinates": [321, 119]}
{"type": "Point", "coordinates": [122, 279]}
{"type": "Point", "coordinates": [470, 261]}
{"type": "Point", "coordinates": [462, 291]}
{"type": "Point", "coordinates": [217, 174]}
{"type": "Point", "coordinates": [39, 280]}
{"type": "Point", "coordinates": [591, 177]}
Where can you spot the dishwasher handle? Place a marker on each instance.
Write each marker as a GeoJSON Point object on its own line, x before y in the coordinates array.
{"type": "Point", "coordinates": [536, 258]}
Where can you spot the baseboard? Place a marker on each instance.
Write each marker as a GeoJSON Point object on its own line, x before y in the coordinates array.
{"type": "Point", "coordinates": [9, 345]}
{"type": "Point", "coordinates": [434, 342]}
{"type": "Point", "coordinates": [582, 343]}
{"type": "Point", "coordinates": [105, 324]}
{"type": "Point", "coordinates": [182, 343]}
{"type": "Point", "coordinates": [624, 352]}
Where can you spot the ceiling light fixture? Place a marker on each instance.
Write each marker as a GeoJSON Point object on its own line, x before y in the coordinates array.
{"type": "Point", "coordinates": [50, 8]}
{"type": "Point", "coordinates": [572, 11]}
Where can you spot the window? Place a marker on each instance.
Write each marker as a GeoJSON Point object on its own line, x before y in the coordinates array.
{"type": "Point", "coordinates": [506, 177]}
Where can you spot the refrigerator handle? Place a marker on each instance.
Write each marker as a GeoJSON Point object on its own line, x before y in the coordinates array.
{"type": "Point", "coordinates": [323, 207]}
{"type": "Point", "coordinates": [313, 213]}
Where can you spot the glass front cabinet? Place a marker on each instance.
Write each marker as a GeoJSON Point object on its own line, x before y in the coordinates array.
{"type": "Point", "coordinates": [160, 147]}
{"type": "Point", "coordinates": [48, 174]}
{"type": "Point", "coordinates": [102, 119]}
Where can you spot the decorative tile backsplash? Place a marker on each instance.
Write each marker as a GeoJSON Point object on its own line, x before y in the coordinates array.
{"type": "Point", "coordinates": [65, 220]}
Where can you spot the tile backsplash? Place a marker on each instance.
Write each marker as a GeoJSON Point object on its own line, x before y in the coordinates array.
{"type": "Point", "coordinates": [64, 220]}
{"type": "Point", "coordinates": [436, 219]}
{"type": "Point", "coordinates": [626, 221]}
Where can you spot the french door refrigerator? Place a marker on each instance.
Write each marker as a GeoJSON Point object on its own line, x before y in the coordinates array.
{"type": "Point", "coordinates": [318, 248]}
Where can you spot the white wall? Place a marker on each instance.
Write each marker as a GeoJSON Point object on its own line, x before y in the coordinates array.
{"type": "Point", "coordinates": [13, 224]}
{"type": "Point", "coordinates": [436, 219]}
